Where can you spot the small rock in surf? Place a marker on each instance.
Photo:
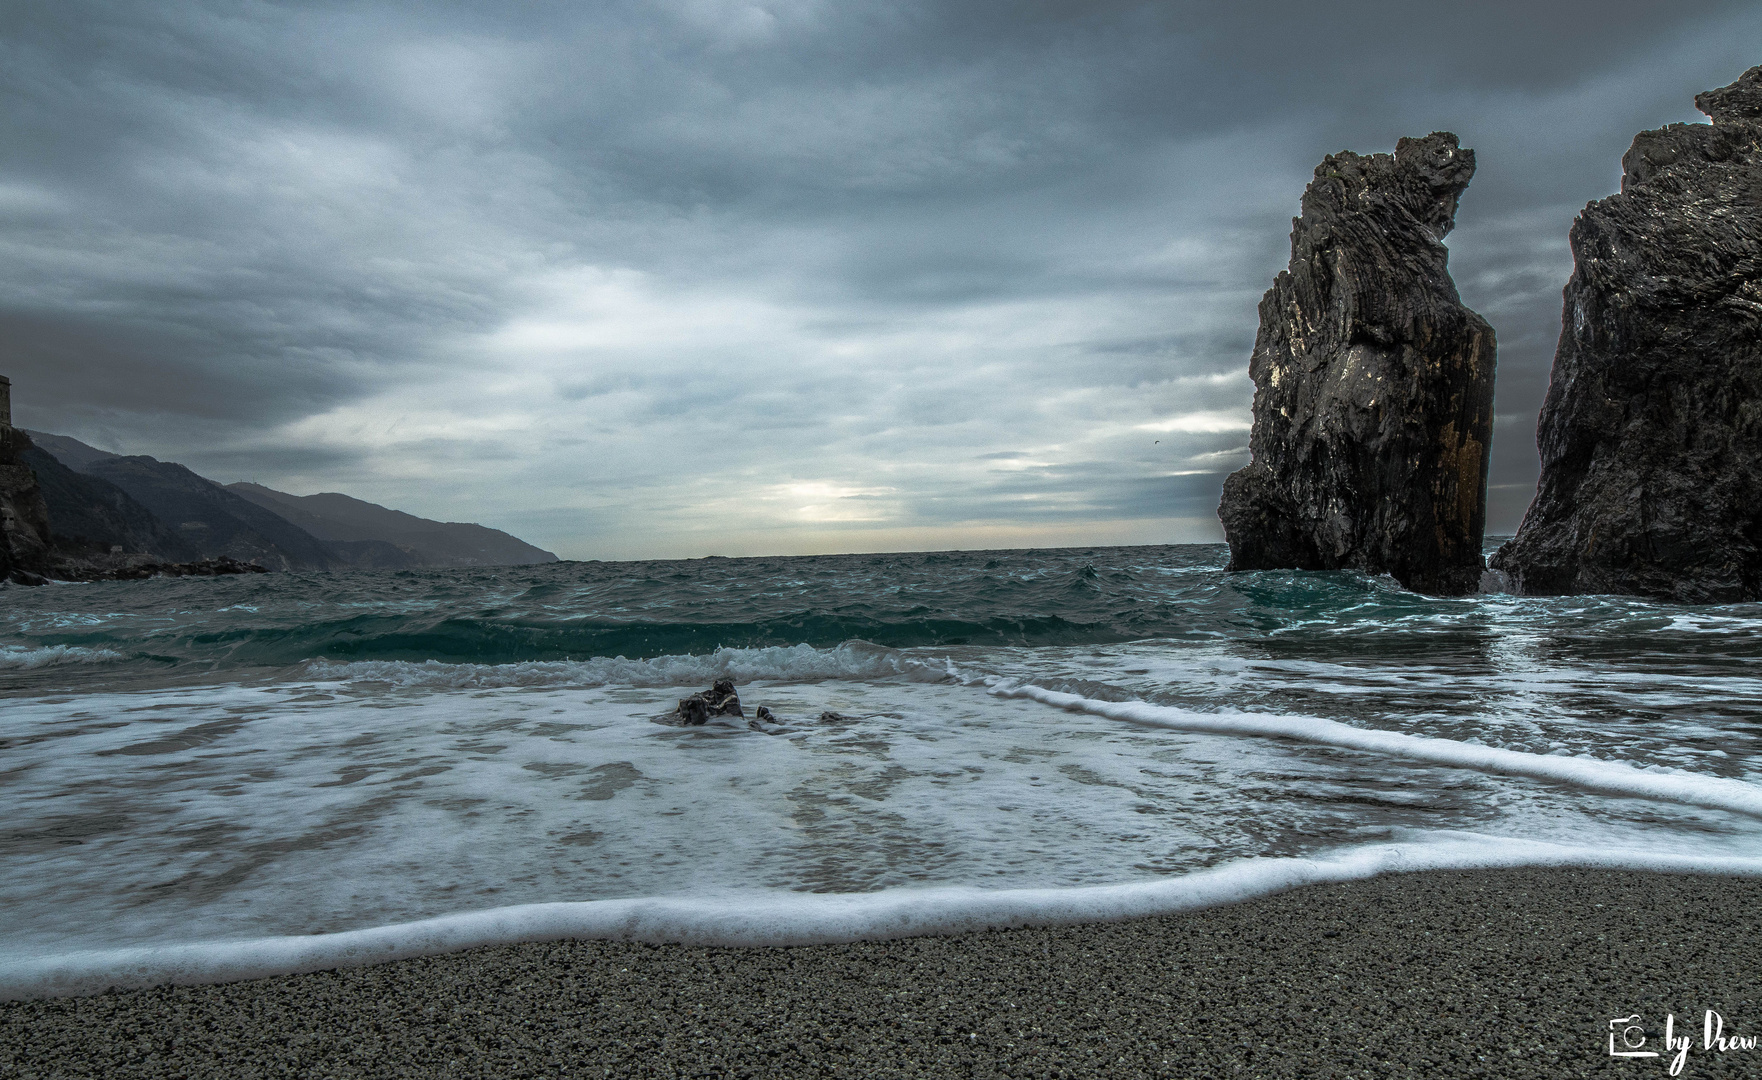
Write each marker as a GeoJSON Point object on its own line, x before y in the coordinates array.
{"type": "Point", "coordinates": [719, 700]}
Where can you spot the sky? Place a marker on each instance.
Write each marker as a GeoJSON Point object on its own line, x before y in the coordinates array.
{"type": "Point", "coordinates": [676, 278]}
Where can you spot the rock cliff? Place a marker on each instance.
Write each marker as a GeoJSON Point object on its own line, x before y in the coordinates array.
{"type": "Point", "coordinates": [1651, 432]}
{"type": "Point", "coordinates": [24, 519]}
{"type": "Point", "coordinates": [1373, 384]}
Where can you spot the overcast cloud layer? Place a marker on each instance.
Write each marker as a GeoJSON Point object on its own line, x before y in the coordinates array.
{"type": "Point", "coordinates": [679, 278]}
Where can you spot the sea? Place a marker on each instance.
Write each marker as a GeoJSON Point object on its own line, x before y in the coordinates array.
{"type": "Point", "coordinates": [214, 778]}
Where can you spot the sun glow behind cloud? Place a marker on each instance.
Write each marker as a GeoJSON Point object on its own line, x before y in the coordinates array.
{"type": "Point", "coordinates": [729, 423]}
{"type": "Point", "coordinates": [696, 276]}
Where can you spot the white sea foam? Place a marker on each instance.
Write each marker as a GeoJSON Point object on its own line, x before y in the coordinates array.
{"type": "Point", "coordinates": [26, 658]}
{"type": "Point", "coordinates": [794, 918]}
{"type": "Point", "coordinates": [1595, 774]}
{"type": "Point", "coordinates": [795, 663]}
{"type": "Point", "coordinates": [294, 814]}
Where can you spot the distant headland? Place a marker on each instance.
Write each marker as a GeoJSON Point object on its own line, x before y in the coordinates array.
{"type": "Point", "coordinates": [70, 511]}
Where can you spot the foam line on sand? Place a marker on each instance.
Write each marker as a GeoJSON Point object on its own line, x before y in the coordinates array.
{"type": "Point", "coordinates": [788, 918]}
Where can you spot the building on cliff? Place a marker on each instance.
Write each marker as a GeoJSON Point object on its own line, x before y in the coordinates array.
{"type": "Point", "coordinates": [1373, 384]}
{"type": "Point", "coordinates": [1651, 432]}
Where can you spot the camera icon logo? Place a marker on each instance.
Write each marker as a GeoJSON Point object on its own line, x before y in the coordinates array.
{"type": "Point", "coordinates": [1627, 1037]}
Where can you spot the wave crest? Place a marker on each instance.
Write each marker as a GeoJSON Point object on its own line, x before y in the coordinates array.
{"type": "Point", "coordinates": [1593, 774]}
{"type": "Point", "coordinates": [23, 658]}
{"type": "Point", "coordinates": [793, 663]}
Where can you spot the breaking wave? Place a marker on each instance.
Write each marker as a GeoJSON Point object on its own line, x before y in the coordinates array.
{"type": "Point", "coordinates": [25, 658]}
{"type": "Point", "coordinates": [1594, 774]}
{"type": "Point", "coordinates": [795, 663]}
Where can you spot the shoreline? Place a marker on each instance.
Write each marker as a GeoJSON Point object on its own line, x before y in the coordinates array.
{"type": "Point", "coordinates": [1503, 972]}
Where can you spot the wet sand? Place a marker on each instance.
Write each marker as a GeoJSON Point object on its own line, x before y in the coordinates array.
{"type": "Point", "coordinates": [1510, 973]}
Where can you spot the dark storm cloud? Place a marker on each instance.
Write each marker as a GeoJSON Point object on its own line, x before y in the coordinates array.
{"type": "Point", "coordinates": [834, 259]}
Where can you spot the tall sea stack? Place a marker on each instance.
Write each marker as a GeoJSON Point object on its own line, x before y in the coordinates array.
{"type": "Point", "coordinates": [24, 519]}
{"type": "Point", "coordinates": [1373, 384]}
{"type": "Point", "coordinates": [1651, 433]}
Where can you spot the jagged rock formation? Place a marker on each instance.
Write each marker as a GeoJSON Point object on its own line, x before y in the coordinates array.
{"type": "Point", "coordinates": [1373, 384]}
{"type": "Point", "coordinates": [1651, 433]}
{"type": "Point", "coordinates": [24, 519]}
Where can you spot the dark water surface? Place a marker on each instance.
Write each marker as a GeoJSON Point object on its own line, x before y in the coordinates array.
{"type": "Point", "coordinates": [1025, 599]}
{"type": "Point", "coordinates": [202, 759]}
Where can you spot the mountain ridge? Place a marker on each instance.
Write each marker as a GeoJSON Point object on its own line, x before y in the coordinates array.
{"type": "Point", "coordinates": [89, 512]}
{"type": "Point", "coordinates": [213, 520]}
{"type": "Point", "coordinates": [339, 518]}
{"type": "Point", "coordinates": [102, 497]}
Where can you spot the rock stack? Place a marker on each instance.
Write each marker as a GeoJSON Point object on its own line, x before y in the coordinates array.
{"type": "Point", "coordinates": [1373, 384]}
{"type": "Point", "coordinates": [24, 519]}
{"type": "Point", "coordinates": [1651, 433]}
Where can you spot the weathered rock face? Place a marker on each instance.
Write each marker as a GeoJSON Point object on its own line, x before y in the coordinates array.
{"type": "Point", "coordinates": [24, 519]}
{"type": "Point", "coordinates": [1373, 384]}
{"type": "Point", "coordinates": [1651, 433]}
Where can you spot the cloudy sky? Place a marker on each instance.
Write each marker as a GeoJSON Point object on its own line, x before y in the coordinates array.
{"type": "Point", "coordinates": [670, 278]}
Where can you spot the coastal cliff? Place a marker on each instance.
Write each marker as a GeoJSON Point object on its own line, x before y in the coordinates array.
{"type": "Point", "coordinates": [115, 516]}
{"type": "Point", "coordinates": [1373, 384]}
{"type": "Point", "coordinates": [1651, 433]}
{"type": "Point", "coordinates": [24, 518]}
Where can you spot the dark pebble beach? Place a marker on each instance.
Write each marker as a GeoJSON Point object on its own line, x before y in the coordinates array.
{"type": "Point", "coordinates": [1509, 973]}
